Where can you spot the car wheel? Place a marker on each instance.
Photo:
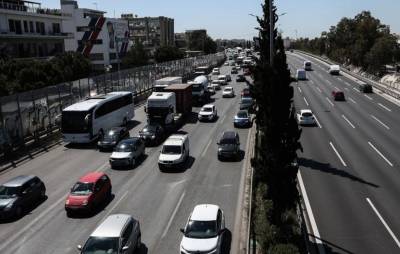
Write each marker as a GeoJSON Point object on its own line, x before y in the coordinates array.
{"type": "Point", "coordinates": [100, 135]}
{"type": "Point", "coordinates": [132, 163]}
{"type": "Point", "coordinates": [18, 211]}
{"type": "Point", "coordinates": [69, 213]}
{"type": "Point", "coordinates": [139, 242]}
{"type": "Point", "coordinates": [42, 193]}
{"type": "Point", "coordinates": [109, 193]}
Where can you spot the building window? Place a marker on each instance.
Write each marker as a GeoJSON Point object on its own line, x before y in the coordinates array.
{"type": "Point", "coordinates": [56, 28]}
{"type": "Point", "coordinates": [26, 29]}
{"type": "Point", "coordinates": [38, 27]}
{"type": "Point", "coordinates": [11, 25]}
{"type": "Point", "coordinates": [93, 42]}
{"type": "Point", "coordinates": [31, 27]}
{"type": "Point", "coordinates": [113, 56]}
{"type": "Point", "coordinates": [83, 29]}
{"type": "Point", "coordinates": [96, 57]}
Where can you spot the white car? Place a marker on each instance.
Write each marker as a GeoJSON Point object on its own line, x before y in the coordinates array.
{"type": "Point", "coordinates": [226, 63]}
{"type": "Point", "coordinates": [204, 230]}
{"type": "Point", "coordinates": [208, 113]}
{"type": "Point", "coordinates": [223, 79]}
{"type": "Point", "coordinates": [174, 152]}
{"type": "Point", "coordinates": [306, 117]}
{"type": "Point", "coordinates": [127, 152]}
{"type": "Point", "coordinates": [228, 92]}
{"type": "Point", "coordinates": [215, 71]}
{"type": "Point", "coordinates": [216, 84]}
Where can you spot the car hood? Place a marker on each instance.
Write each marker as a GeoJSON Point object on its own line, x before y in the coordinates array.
{"type": "Point", "coordinates": [120, 155]}
{"type": "Point", "coordinates": [200, 245]}
{"type": "Point", "coordinates": [77, 199]}
{"type": "Point", "coordinates": [202, 113]}
{"type": "Point", "coordinates": [5, 201]}
{"type": "Point", "coordinates": [169, 157]}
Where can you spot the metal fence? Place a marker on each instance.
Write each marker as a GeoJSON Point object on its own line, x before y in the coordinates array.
{"type": "Point", "coordinates": [29, 115]}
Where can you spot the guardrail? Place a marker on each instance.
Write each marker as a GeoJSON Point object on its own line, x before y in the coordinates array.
{"type": "Point", "coordinates": [381, 87]}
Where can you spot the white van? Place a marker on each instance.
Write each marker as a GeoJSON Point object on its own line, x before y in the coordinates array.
{"type": "Point", "coordinates": [307, 66]}
{"type": "Point", "coordinates": [174, 152]}
{"type": "Point", "coordinates": [301, 74]}
{"type": "Point", "coordinates": [334, 69]}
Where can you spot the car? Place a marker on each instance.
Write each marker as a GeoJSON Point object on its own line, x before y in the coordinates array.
{"type": "Point", "coordinates": [204, 230]}
{"type": "Point", "coordinates": [234, 70]}
{"type": "Point", "coordinates": [20, 193]}
{"type": "Point", "coordinates": [301, 74]}
{"type": "Point", "coordinates": [223, 79]}
{"type": "Point", "coordinates": [228, 92]}
{"type": "Point", "coordinates": [208, 113]}
{"type": "Point", "coordinates": [306, 117]}
{"type": "Point", "coordinates": [111, 138]}
{"type": "Point", "coordinates": [211, 89]}
{"type": "Point", "coordinates": [307, 66]}
{"type": "Point", "coordinates": [229, 145]}
{"type": "Point", "coordinates": [88, 193]}
{"type": "Point", "coordinates": [117, 234]}
{"type": "Point", "coordinates": [246, 103]}
{"type": "Point", "coordinates": [364, 87]}
{"type": "Point", "coordinates": [240, 78]}
{"type": "Point", "coordinates": [246, 72]}
{"type": "Point", "coordinates": [242, 119]}
{"type": "Point", "coordinates": [127, 152]}
{"type": "Point", "coordinates": [228, 78]}
{"type": "Point", "coordinates": [232, 64]}
{"type": "Point", "coordinates": [338, 95]}
{"type": "Point", "coordinates": [334, 69]}
{"type": "Point", "coordinates": [216, 84]}
{"type": "Point", "coordinates": [245, 92]}
{"type": "Point", "coordinates": [174, 153]}
{"type": "Point", "coordinates": [226, 63]}
{"type": "Point", "coordinates": [215, 71]}
{"type": "Point", "coordinates": [152, 133]}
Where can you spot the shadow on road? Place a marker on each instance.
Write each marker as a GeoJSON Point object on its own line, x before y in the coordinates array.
{"type": "Point", "coordinates": [329, 247]}
{"type": "Point", "coordinates": [132, 124]}
{"type": "Point", "coordinates": [226, 242]}
{"type": "Point", "coordinates": [327, 168]}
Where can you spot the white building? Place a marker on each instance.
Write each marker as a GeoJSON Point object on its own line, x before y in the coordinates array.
{"type": "Point", "coordinates": [104, 40]}
{"type": "Point", "coordinates": [28, 30]}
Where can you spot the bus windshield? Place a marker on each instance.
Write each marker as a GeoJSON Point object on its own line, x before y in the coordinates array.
{"type": "Point", "coordinates": [75, 122]}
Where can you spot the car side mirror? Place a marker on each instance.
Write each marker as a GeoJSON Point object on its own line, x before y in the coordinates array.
{"type": "Point", "coordinates": [218, 143]}
{"type": "Point", "coordinates": [182, 230]}
{"type": "Point", "coordinates": [79, 247]}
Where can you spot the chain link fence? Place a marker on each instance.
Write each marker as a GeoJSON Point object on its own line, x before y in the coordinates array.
{"type": "Point", "coordinates": [29, 115]}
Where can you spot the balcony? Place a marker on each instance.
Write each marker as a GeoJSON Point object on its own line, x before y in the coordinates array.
{"type": "Point", "coordinates": [43, 35]}
{"type": "Point", "coordinates": [30, 8]}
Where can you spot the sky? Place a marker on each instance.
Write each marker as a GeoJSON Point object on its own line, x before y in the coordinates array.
{"type": "Point", "coordinates": [230, 19]}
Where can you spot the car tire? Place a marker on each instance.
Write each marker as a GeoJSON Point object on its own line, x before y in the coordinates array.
{"type": "Point", "coordinates": [132, 163]}
{"type": "Point", "coordinates": [43, 194]}
{"type": "Point", "coordinates": [18, 212]}
{"type": "Point", "coordinates": [139, 242]}
{"type": "Point", "coordinates": [69, 213]}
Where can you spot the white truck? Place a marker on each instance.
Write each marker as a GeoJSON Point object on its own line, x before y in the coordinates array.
{"type": "Point", "coordinates": [199, 89]}
{"type": "Point", "coordinates": [165, 82]}
{"type": "Point", "coordinates": [334, 69]}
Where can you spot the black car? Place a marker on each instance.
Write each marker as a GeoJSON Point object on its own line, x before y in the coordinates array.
{"type": "Point", "coordinates": [112, 137]}
{"type": "Point", "coordinates": [20, 193]}
{"type": "Point", "coordinates": [240, 78]}
{"type": "Point", "coordinates": [229, 145]}
{"type": "Point", "coordinates": [234, 71]}
{"type": "Point", "coordinates": [152, 133]}
{"type": "Point", "coordinates": [365, 88]}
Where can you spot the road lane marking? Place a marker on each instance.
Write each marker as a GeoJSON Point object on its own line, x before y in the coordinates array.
{"type": "Point", "coordinates": [379, 121]}
{"type": "Point", "coordinates": [348, 121]}
{"type": "Point", "coordinates": [173, 215]}
{"type": "Point", "coordinates": [205, 149]}
{"type": "Point", "coordinates": [317, 236]}
{"type": "Point", "coordinates": [319, 125]}
{"type": "Point", "coordinates": [312, 82]}
{"type": "Point", "coordinates": [318, 89]}
{"type": "Point", "coordinates": [329, 101]}
{"type": "Point", "coordinates": [347, 83]}
{"type": "Point", "coordinates": [352, 100]}
{"type": "Point", "coordinates": [338, 155]}
{"type": "Point", "coordinates": [384, 222]}
{"type": "Point", "coordinates": [116, 204]}
{"type": "Point", "coordinates": [340, 79]}
{"type": "Point", "coordinates": [383, 106]}
{"type": "Point", "coordinates": [376, 150]}
{"type": "Point", "coordinates": [355, 89]}
{"type": "Point", "coordinates": [223, 118]}
{"type": "Point", "coordinates": [305, 100]}
{"type": "Point", "coordinates": [346, 89]}
{"type": "Point", "coordinates": [299, 89]}
{"type": "Point", "coordinates": [336, 88]}
{"type": "Point", "coordinates": [368, 97]}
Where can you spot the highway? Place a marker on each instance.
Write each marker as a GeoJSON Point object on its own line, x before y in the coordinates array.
{"type": "Point", "coordinates": [350, 164]}
{"type": "Point", "coordinates": [161, 202]}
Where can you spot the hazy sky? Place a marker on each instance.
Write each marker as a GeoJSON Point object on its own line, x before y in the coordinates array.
{"type": "Point", "coordinates": [230, 18]}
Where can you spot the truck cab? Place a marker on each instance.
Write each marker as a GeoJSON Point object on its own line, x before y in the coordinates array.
{"type": "Point", "coordinates": [199, 88]}
{"type": "Point", "coordinates": [161, 108]}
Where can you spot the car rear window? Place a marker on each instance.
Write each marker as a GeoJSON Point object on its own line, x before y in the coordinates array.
{"type": "Point", "coordinates": [307, 114]}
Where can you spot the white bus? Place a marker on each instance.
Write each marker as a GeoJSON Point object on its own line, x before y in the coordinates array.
{"type": "Point", "coordinates": [87, 120]}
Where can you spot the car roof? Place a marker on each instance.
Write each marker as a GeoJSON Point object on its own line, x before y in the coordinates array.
{"type": "Point", "coordinates": [112, 226]}
{"type": "Point", "coordinates": [229, 134]}
{"type": "Point", "coordinates": [306, 111]}
{"type": "Point", "coordinates": [175, 139]}
{"type": "Point", "coordinates": [131, 140]}
{"type": "Point", "coordinates": [228, 87]}
{"type": "Point", "coordinates": [91, 177]}
{"type": "Point", "coordinates": [205, 212]}
{"type": "Point", "coordinates": [208, 106]}
{"type": "Point", "coordinates": [221, 76]}
{"type": "Point", "coordinates": [18, 180]}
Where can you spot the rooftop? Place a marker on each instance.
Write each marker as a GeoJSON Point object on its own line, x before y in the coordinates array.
{"type": "Point", "coordinates": [205, 212]}
{"type": "Point", "coordinates": [91, 177]}
{"type": "Point", "coordinates": [18, 180]}
{"type": "Point", "coordinates": [111, 226]}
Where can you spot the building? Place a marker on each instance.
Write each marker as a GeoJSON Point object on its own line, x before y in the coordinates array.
{"type": "Point", "coordinates": [180, 40]}
{"type": "Point", "coordinates": [193, 37]}
{"type": "Point", "coordinates": [152, 32]}
{"type": "Point", "coordinates": [27, 30]}
{"type": "Point", "coordinates": [103, 40]}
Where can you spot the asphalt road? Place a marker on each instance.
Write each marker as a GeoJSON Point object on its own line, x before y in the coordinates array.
{"type": "Point", "coordinates": [350, 166]}
{"type": "Point", "coordinates": [161, 202]}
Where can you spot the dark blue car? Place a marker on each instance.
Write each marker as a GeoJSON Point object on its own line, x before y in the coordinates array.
{"type": "Point", "coordinates": [242, 119]}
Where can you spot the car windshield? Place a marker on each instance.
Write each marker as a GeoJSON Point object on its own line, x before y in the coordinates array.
{"type": "Point", "coordinates": [149, 128]}
{"type": "Point", "coordinates": [124, 147]}
{"type": "Point", "coordinates": [82, 188]}
{"type": "Point", "coordinates": [242, 114]}
{"type": "Point", "coordinates": [227, 141]}
{"type": "Point", "coordinates": [168, 149]}
{"type": "Point", "coordinates": [101, 245]}
{"type": "Point", "coordinates": [110, 136]}
{"type": "Point", "coordinates": [201, 229]}
{"type": "Point", "coordinates": [207, 109]}
{"type": "Point", "coordinates": [221, 78]}
{"type": "Point", "coordinates": [228, 89]}
{"type": "Point", "coordinates": [7, 192]}
{"type": "Point", "coordinates": [307, 114]}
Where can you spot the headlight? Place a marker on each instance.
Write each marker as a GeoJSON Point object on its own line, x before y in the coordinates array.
{"type": "Point", "coordinates": [85, 202]}
{"type": "Point", "coordinates": [99, 143]}
{"type": "Point", "coordinates": [219, 149]}
{"type": "Point", "coordinates": [153, 136]}
{"type": "Point", "coordinates": [67, 202]}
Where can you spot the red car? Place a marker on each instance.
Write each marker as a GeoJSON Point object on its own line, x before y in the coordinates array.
{"type": "Point", "coordinates": [245, 92]}
{"type": "Point", "coordinates": [338, 95]}
{"type": "Point", "coordinates": [91, 190]}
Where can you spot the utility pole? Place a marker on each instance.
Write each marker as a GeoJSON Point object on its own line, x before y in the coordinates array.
{"type": "Point", "coordinates": [271, 34]}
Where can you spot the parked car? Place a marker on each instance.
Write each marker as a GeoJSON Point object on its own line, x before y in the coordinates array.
{"type": "Point", "coordinates": [127, 152]}
{"type": "Point", "coordinates": [117, 234]}
{"type": "Point", "coordinates": [208, 113]}
{"type": "Point", "coordinates": [229, 145]}
{"type": "Point", "coordinates": [215, 71]}
{"type": "Point", "coordinates": [365, 88]}
{"type": "Point", "coordinates": [152, 133]}
{"type": "Point", "coordinates": [338, 95]}
{"type": "Point", "coordinates": [20, 193]}
{"type": "Point", "coordinates": [111, 138]}
{"type": "Point", "coordinates": [245, 92]}
{"type": "Point", "coordinates": [306, 117]}
{"type": "Point", "coordinates": [228, 92]}
{"type": "Point", "coordinates": [174, 153]}
{"type": "Point", "coordinates": [242, 119]}
{"type": "Point", "coordinates": [246, 103]}
{"type": "Point", "coordinates": [90, 191]}
{"type": "Point", "coordinates": [240, 78]}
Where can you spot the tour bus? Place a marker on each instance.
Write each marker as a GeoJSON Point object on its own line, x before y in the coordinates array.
{"type": "Point", "coordinates": [87, 120]}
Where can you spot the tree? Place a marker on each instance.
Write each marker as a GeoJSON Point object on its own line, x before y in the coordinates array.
{"type": "Point", "coordinates": [136, 56]}
{"type": "Point", "coordinates": [168, 53]}
{"type": "Point", "coordinates": [210, 47]}
{"type": "Point", "coordinates": [381, 53]}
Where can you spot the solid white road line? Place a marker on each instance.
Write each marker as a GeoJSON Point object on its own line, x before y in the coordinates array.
{"type": "Point", "coordinates": [329, 101]}
{"type": "Point", "coordinates": [305, 100]}
{"type": "Point", "coordinates": [205, 149]}
{"type": "Point", "coordinates": [299, 89]}
{"type": "Point", "coordinates": [310, 214]}
{"type": "Point", "coordinates": [173, 215]}
{"type": "Point", "coordinates": [383, 106]}
{"type": "Point", "coordinates": [318, 89]}
{"type": "Point", "coordinates": [347, 120]}
{"type": "Point", "coordinates": [384, 222]}
{"type": "Point", "coordinates": [352, 100]}
{"type": "Point", "coordinates": [319, 125]}
{"type": "Point", "coordinates": [368, 97]}
{"type": "Point", "coordinates": [327, 81]}
{"type": "Point", "coordinates": [383, 157]}
{"type": "Point", "coordinates": [379, 121]}
{"type": "Point", "coordinates": [338, 155]}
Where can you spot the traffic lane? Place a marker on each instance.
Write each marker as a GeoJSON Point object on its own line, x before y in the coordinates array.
{"type": "Point", "coordinates": [362, 163]}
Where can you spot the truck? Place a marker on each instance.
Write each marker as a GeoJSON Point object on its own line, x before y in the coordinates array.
{"type": "Point", "coordinates": [201, 70]}
{"type": "Point", "coordinates": [164, 82]}
{"type": "Point", "coordinates": [169, 107]}
{"type": "Point", "coordinates": [199, 89]}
